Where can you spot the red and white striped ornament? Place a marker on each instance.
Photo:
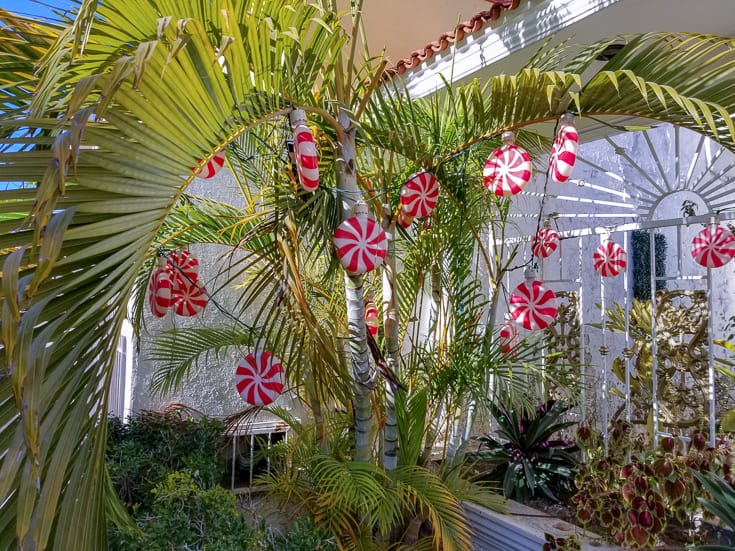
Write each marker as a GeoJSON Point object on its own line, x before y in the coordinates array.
{"type": "Point", "coordinates": [508, 336]}
{"type": "Point", "coordinates": [305, 153]}
{"type": "Point", "coordinates": [361, 243]}
{"type": "Point", "coordinates": [545, 242]}
{"type": "Point", "coordinates": [371, 317]}
{"type": "Point", "coordinates": [259, 378]}
{"type": "Point", "coordinates": [713, 248]}
{"type": "Point", "coordinates": [508, 169]}
{"type": "Point", "coordinates": [159, 291]}
{"type": "Point", "coordinates": [189, 298]}
{"type": "Point", "coordinates": [532, 305]}
{"type": "Point", "coordinates": [213, 166]}
{"type": "Point", "coordinates": [564, 150]}
{"type": "Point", "coordinates": [610, 259]}
{"type": "Point", "coordinates": [404, 220]}
{"type": "Point", "coordinates": [420, 194]}
{"type": "Point", "coordinates": [182, 261]}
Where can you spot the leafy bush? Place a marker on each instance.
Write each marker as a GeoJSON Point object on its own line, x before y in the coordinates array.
{"type": "Point", "coordinates": [304, 535]}
{"type": "Point", "coordinates": [527, 458]}
{"type": "Point", "coordinates": [184, 515]}
{"type": "Point", "coordinates": [141, 454]}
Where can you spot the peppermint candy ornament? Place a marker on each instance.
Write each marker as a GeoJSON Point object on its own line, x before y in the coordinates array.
{"type": "Point", "coordinates": [188, 298]}
{"type": "Point", "coordinates": [610, 259]}
{"type": "Point", "coordinates": [259, 378]}
{"type": "Point", "coordinates": [419, 195]}
{"type": "Point", "coordinates": [404, 220]}
{"type": "Point", "coordinates": [532, 305]}
{"type": "Point", "coordinates": [361, 243]}
{"type": "Point", "coordinates": [564, 150]}
{"type": "Point", "coordinates": [713, 248]}
{"type": "Point", "coordinates": [508, 336]}
{"type": "Point", "coordinates": [508, 169]}
{"type": "Point", "coordinates": [305, 153]}
{"type": "Point", "coordinates": [213, 166]}
{"type": "Point", "coordinates": [545, 242]}
{"type": "Point", "coordinates": [184, 262]}
{"type": "Point", "coordinates": [371, 317]}
{"type": "Point", "coordinates": [159, 291]}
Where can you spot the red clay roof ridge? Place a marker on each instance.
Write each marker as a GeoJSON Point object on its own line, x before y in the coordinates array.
{"type": "Point", "coordinates": [474, 24]}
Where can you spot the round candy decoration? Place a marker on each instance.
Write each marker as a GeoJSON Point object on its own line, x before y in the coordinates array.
{"type": "Point", "coordinates": [259, 378]}
{"type": "Point", "coordinates": [371, 317]}
{"type": "Point", "coordinates": [545, 242]}
{"type": "Point", "coordinates": [361, 244]}
{"type": "Point", "coordinates": [564, 150]}
{"type": "Point", "coordinates": [305, 153]}
{"type": "Point", "coordinates": [419, 195]}
{"type": "Point", "coordinates": [404, 220]}
{"type": "Point", "coordinates": [189, 298]}
{"type": "Point", "coordinates": [713, 248]}
{"type": "Point", "coordinates": [508, 336]}
{"type": "Point", "coordinates": [184, 262]}
{"type": "Point", "coordinates": [159, 292]}
{"type": "Point", "coordinates": [508, 169]}
{"type": "Point", "coordinates": [214, 165]}
{"type": "Point", "coordinates": [532, 305]}
{"type": "Point", "coordinates": [610, 259]}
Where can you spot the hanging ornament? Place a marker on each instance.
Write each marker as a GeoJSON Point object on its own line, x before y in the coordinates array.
{"type": "Point", "coordinates": [564, 150]}
{"type": "Point", "coordinates": [305, 153]}
{"type": "Point", "coordinates": [508, 336]}
{"type": "Point", "coordinates": [259, 378]}
{"type": "Point", "coordinates": [159, 290]}
{"type": "Point", "coordinates": [713, 248]}
{"type": "Point", "coordinates": [404, 220]}
{"type": "Point", "coordinates": [361, 242]}
{"type": "Point", "coordinates": [610, 259]}
{"type": "Point", "coordinates": [182, 261]}
{"type": "Point", "coordinates": [508, 169]}
{"type": "Point", "coordinates": [371, 317]}
{"type": "Point", "coordinates": [188, 298]}
{"type": "Point", "coordinates": [419, 195]}
{"type": "Point", "coordinates": [213, 166]}
{"type": "Point", "coordinates": [545, 242]}
{"type": "Point", "coordinates": [532, 305]}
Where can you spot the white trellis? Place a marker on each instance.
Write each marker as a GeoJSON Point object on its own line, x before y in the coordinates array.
{"type": "Point", "coordinates": [648, 180]}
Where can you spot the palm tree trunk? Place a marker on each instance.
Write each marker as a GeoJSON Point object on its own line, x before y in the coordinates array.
{"type": "Point", "coordinates": [390, 327]}
{"type": "Point", "coordinates": [361, 366]}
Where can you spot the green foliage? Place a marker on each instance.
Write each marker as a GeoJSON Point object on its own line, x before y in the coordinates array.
{"type": "Point", "coordinates": [720, 503]}
{"type": "Point", "coordinates": [141, 454]}
{"type": "Point", "coordinates": [184, 515]}
{"type": "Point", "coordinates": [631, 496]}
{"type": "Point", "coordinates": [526, 457]}
{"type": "Point", "coordinates": [304, 535]}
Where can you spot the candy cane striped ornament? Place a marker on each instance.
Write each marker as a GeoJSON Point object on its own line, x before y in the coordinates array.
{"type": "Point", "coordinates": [213, 166]}
{"type": "Point", "coordinates": [545, 242]}
{"type": "Point", "coordinates": [713, 248]}
{"type": "Point", "coordinates": [532, 305]}
{"type": "Point", "coordinates": [610, 259]}
{"type": "Point", "coordinates": [305, 153]}
{"type": "Point", "coordinates": [404, 220]}
{"type": "Point", "coordinates": [188, 298]}
{"type": "Point", "coordinates": [259, 378]}
{"type": "Point", "coordinates": [508, 169]}
{"type": "Point", "coordinates": [371, 317]}
{"type": "Point", "coordinates": [361, 244]}
{"type": "Point", "coordinates": [564, 150]}
{"type": "Point", "coordinates": [419, 195]}
{"type": "Point", "coordinates": [508, 336]}
{"type": "Point", "coordinates": [182, 261]}
{"type": "Point", "coordinates": [159, 291]}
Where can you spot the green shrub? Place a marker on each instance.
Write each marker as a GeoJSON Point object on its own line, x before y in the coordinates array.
{"type": "Point", "coordinates": [185, 516]}
{"type": "Point", "coordinates": [304, 535]}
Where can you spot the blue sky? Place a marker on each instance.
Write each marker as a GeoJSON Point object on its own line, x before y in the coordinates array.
{"type": "Point", "coordinates": [42, 9]}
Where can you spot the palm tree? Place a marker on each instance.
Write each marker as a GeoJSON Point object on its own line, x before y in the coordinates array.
{"type": "Point", "coordinates": [106, 116]}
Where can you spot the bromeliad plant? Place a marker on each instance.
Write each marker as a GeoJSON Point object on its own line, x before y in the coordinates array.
{"type": "Point", "coordinates": [528, 456]}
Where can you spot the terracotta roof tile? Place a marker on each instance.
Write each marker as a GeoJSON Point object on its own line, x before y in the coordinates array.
{"type": "Point", "coordinates": [474, 24]}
